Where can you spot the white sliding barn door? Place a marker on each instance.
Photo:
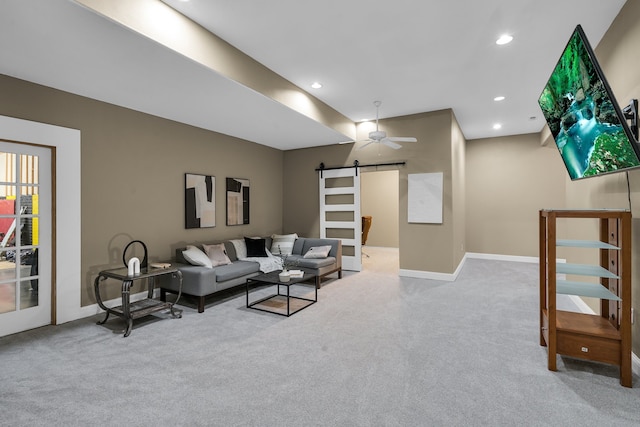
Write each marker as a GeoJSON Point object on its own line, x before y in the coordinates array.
{"type": "Point", "coordinates": [340, 213]}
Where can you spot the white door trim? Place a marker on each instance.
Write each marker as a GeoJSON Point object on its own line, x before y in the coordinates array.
{"type": "Point", "coordinates": [68, 214]}
{"type": "Point", "coordinates": [40, 314]}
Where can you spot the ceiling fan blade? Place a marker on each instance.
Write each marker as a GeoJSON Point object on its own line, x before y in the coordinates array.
{"type": "Point", "coordinates": [402, 139]}
{"type": "Point", "coordinates": [368, 143]}
{"type": "Point", "coordinates": [388, 143]}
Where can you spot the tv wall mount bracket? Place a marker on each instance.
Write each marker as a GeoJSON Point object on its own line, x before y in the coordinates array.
{"type": "Point", "coordinates": [631, 113]}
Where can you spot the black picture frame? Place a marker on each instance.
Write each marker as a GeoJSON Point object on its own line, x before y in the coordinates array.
{"type": "Point", "coordinates": [199, 201]}
{"type": "Point", "coordinates": [238, 201]}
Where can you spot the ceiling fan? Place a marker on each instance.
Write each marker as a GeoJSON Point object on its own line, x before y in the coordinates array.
{"type": "Point", "coordinates": [380, 137]}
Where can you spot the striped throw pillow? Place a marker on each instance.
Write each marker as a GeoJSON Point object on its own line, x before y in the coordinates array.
{"type": "Point", "coordinates": [283, 243]}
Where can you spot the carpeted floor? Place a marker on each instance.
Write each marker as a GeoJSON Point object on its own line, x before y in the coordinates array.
{"type": "Point", "coordinates": [376, 350]}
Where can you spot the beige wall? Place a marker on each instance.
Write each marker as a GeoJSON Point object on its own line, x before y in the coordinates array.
{"type": "Point", "coordinates": [133, 168]}
{"type": "Point", "coordinates": [459, 191]}
{"type": "Point", "coordinates": [509, 179]}
{"type": "Point", "coordinates": [618, 56]}
{"type": "Point", "coordinates": [379, 198]}
{"type": "Point", "coordinates": [423, 247]}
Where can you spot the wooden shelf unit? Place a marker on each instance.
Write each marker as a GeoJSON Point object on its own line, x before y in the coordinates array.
{"type": "Point", "coordinates": [605, 337]}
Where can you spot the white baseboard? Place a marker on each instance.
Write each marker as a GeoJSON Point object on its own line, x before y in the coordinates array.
{"type": "Point", "coordinates": [451, 277]}
{"type": "Point", "coordinates": [582, 306]}
{"type": "Point", "coordinates": [93, 309]}
{"type": "Point", "coordinates": [499, 257]}
{"type": "Point", "coordinates": [433, 275]}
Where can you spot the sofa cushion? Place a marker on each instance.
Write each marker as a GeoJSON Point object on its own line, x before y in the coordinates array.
{"type": "Point", "coordinates": [195, 256]}
{"type": "Point", "coordinates": [318, 252]}
{"type": "Point", "coordinates": [301, 261]}
{"type": "Point", "coordinates": [217, 254]}
{"type": "Point", "coordinates": [196, 280]}
{"type": "Point", "coordinates": [236, 269]}
{"type": "Point", "coordinates": [282, 244]}
{"type": "Point", "coordinates": [303, 244]}
{"type": "Point", "coordinates": [255, 247]}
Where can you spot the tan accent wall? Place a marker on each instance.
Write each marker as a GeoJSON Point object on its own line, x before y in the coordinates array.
{"type": "Point", "coordinates": [618, 56]}
{"type": "Point", "coordinates": [379, 198]}
{"type": "Point", "coordinates": [459, 191]}
{"type": "Point", "coordinates": [509, 179]}
{"type": "Point", "coordinates": [423, 247]}
{"type": "Point", "coordinates": [133, 167]}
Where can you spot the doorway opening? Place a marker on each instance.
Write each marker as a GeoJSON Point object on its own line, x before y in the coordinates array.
{"type": "Point", "coordinates": [380, 199]}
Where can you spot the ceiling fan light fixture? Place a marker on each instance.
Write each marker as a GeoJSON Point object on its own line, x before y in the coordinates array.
{"type": "Point", "coordinates": [377, 135]}
{"type": "Point", "coordinates": [380, 137]}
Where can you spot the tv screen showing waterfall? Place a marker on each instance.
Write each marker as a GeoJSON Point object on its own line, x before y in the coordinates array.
{"type": "Point", "coordinates": [586, 122]}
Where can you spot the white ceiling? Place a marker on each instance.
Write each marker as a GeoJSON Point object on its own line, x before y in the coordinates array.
{"type": "Point", "coordinates": [414, 56]}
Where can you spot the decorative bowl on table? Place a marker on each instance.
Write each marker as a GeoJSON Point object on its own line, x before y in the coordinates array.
{"type": "Point", "coordinates": [284, 276]}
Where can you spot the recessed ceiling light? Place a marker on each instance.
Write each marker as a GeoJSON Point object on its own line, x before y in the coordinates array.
{"type": "Point", "coordinates": [499, 98]}
{"type": "Point", "coordinates": [497, 126]}
{"type": "Point", "coordinates": [504, 39]}
{"type": "Point", "coordinates": [316, 85]}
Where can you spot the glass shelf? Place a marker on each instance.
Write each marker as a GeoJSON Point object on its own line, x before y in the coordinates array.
{"type": "Point", "coordinates": [585, 270]}
{"type": "Point", "coordinates": [593, 290]}
{"type": "Point", "coordinates": [585, 244]}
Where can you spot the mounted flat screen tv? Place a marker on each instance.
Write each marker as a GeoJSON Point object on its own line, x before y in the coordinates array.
{"type": "Point", "coordinates": [588, 126]}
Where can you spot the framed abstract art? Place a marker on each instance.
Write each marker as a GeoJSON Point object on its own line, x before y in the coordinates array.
{"type": "Point", "coordinates": [237, 201]}
{"type": "Point", "coordinates": [199, 201]}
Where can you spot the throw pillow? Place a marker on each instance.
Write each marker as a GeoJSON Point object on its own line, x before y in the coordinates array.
{"type": "Point", "coordinates": [283, 243]}
{"type": "Point", "coordinates": [318, 252]}
{"type": "Point", "coordinates": [196, 257]}
{"type": "Point", "coordinates": [217, 254]}
{"type": "Point", "coordinates": [240, 247]}
{"type": "Point", "coordinates": [255, 247]}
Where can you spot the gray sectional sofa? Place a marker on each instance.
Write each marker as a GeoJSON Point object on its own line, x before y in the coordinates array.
{"type": "Point", "coordinates": [200, 281]}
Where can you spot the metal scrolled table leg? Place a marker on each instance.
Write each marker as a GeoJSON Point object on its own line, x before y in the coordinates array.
{"type": "Point", "coordinates": [126, 286]}
{"type": "Point", "coordinates": [96, 285]}
{"type": "Point", "coordinates": [177, 313]}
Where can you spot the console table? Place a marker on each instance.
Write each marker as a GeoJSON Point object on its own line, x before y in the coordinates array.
{"type": "Point", "coordinates": [133, 310]}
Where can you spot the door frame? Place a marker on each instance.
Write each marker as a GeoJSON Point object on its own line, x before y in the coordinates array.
{"type": "Point", "coordinates": [66, 209]}
{"type": "Point", "coordinates": [42, 313]}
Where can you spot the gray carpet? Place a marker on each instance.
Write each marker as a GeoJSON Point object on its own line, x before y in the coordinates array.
{"type": "Point", "coordinates": [376, 350]}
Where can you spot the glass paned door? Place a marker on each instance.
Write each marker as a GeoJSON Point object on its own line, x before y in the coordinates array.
{"type": "Point", "coordinates": [25, 237]}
